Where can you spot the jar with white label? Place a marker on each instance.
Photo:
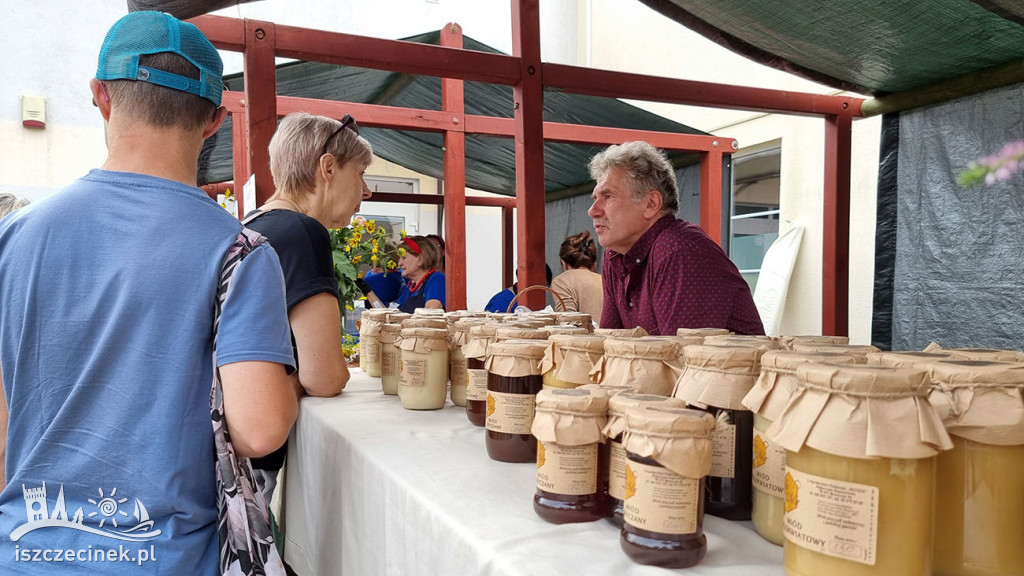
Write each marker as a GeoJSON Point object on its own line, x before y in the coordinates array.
{"type": "Point", "coordinates": [571, 462]}
{"type": "Point", "coordinates": [716, 379]}
{"type": "Point", "coordinates": [478, 339]}
{"type": "Point", "coordinates": [458, 365]}
{"type": "Point", "coordinates": [979, 514]}
{"type": "Point", "coordinates": [618, 406]}
{"type": "Point", "coordinates": [569, 359]}
{"type": "Point", "coordinates": [424, 368]}
{"type": "Point", "coordinates": [668, 453]}
{"type": "Point", "coordinates": [861, 445]}
{"type": "Point", "coordinates": [390, 357]}
{"type": "Point", "coordinates": [513, 381]}
{"type": "Point", "coordinates": [650, 364]}
{"type": "Point", "coordinates": [369, 340]}
{"type": "Point", "coordinates": [766, 400]}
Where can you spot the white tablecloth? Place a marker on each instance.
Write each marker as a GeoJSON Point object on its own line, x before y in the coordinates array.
{"type": "Point", "coordinates": [373, 489]}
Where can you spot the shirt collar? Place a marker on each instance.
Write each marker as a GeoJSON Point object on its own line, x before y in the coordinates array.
{"type": "Point", "coordinates": [639, 251]}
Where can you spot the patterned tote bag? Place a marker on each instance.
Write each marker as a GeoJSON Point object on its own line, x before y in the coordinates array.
{"type": "Point", "coordinates": [243, 517]}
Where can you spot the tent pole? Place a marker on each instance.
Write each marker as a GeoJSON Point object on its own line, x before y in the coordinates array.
{"type": "Point", "coordinates": [835, 269]}
{"type": "Point", "coordinates": [528, 97]}
{"type": "Point", "coordinates": [454, 103]}
{"type": "Point", "coordinates": [946, 90]}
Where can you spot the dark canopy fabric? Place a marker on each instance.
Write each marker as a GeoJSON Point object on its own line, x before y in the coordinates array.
{"type": "Point", "coordinates": [872, 47]}
{"type": "Point", "coordinates": [490, 161]}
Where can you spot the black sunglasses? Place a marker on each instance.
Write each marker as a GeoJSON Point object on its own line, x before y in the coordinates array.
{"type": "Point", "coordinates": [347, 121]}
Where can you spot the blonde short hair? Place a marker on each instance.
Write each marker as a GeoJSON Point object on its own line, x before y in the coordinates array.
{"type": "Point", "coordinates": [647, 168]}
{"type": "Point", "coordinates": [296, 147]}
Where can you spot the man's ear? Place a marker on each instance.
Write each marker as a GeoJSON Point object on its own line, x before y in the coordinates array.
{"type": "Point", "coordinates": [652, 204]}
{"type": "Point", "coordinates": [100, 98]}
{"type": "Point", "coordinates": [215, 122]}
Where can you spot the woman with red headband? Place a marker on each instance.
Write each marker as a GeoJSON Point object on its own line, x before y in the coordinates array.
{"type": "Point", "coordinates": [424, 286]}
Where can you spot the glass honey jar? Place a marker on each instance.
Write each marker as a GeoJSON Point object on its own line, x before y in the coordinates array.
{"type": "Point", "coordinates": [767, 399]}
{"type": "Point", "coordinates": [513, 381]}
{"type": "Point", "coordinates": [571, 460]}
{"type": "Point", "coordinates": [478, 339]}
{"type": "Point", "coordinates": [569, 359]}
{"type": "Point", "coordinates": [979, 514]}
{"type": "Point", "coordinates": [369, 340]}
{"type": "Point", "coordinates": [716, 379]}
{"type": "Point", "coordinates": [861, 445]}
{"type": "Point", "coordinates": [618, 405]}
{"type": "Point", "coordinates": [390, 357]}
{"type": "Point", "coordinates": [424, 368]}
{"type": "Point", "coordinates": [458, 364]}
{"type": "Point", "coordinates": [668, 455]}
{"type": "Point", "coordinates": [650, 364]}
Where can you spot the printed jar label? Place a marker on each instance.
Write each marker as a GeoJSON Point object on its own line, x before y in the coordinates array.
{"type": "Point", "coordinates": [371, 349]}
{"type": "Point", "coordinates": [414, 372]}
{"type": "Point", "coordinates": [723, 451]}
{"type": "Point", "coordinates": [388, 355]}
{"type": "Point", "coordinates": [617, 471]}
{"type": "Point", "coordinates": [769, 474]}
{"type": "Point", "coordinates": [568, 470]}
{"type": "Point", "coordinates": [458, 375]}
{"type": "Point", "coordinates": [659, 500]}
{"type": "Point", "coordinates": [477, 388]}
{"type": "Point", "coordinates": [510, 413]}
{"type": "Point", "coordinates": [834, 518]}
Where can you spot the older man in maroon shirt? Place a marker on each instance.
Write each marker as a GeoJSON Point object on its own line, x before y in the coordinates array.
{"type": "Point", "coordinates": [660, 272]}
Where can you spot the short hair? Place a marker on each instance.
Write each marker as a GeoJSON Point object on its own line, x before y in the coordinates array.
{"type": "Point", "coordinates": [647, 168]}
{"type": "Point", "coordinates": [297, 144]}
{"type": "Point", "coordinates": [579, 251]}
{"type": "Point", "coordinates": [9, 203]}
{"type": "Point", "coordinates": [430, 254]}
{"type": "Point", "coordinates": [159, 105]}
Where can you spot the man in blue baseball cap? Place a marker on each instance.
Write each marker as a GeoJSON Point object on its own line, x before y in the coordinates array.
{"type": "Point", "coordinates": [116, 314]}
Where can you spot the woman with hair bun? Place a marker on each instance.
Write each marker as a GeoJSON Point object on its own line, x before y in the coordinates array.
{"type": "Point", "coordinates": [578, 285]}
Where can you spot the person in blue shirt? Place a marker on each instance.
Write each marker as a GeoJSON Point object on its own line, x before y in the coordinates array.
{"type": "Point", "coordinates": [500, 301]}
{"type": "Point", "coordinates": [387, 285]}
{"type": "Point", "coordinates": [108, 294]}
{"type": "Point", "coordinates": [425, 287]}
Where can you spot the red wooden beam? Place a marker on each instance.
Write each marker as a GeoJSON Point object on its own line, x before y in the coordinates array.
{"type": "Point", "coordinates": [260, 103]}
{"type": "Point", "coordinates": [835, 297]}
{"type": "Point", "coordinates": [593, 82]}
{"type": "Point", "coordinates": [528, 97]}
{"type": "Point", "coordinates": [507, 245]}
{"type": "Point", "coordinates": [711, 195]}
{"type": "Point", "coordinates": [453, 103]}
{"type": "Point", "coordinates": [366, 52]}
{"type": "Point", "coordinates": [375, 115]}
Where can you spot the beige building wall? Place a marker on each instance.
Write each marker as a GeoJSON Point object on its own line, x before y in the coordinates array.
{"type": "Point", "coordinates": [653, 44]}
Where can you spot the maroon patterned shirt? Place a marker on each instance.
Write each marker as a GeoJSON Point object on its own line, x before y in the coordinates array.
{"type": "Point", "coordinates": [676, 276]}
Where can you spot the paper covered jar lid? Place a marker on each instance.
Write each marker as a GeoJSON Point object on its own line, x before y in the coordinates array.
{"type": "Point", "coordinates": [677, 438]}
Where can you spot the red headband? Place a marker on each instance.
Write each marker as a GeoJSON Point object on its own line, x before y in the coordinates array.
{"type": "Point", "coordinates": [413, 246]}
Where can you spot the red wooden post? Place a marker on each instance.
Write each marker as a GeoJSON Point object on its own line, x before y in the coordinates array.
{"type": "Point", "coordinates": [507, 240]}
{"type": "Point", "coordinates": [453, 102]}
{"type": "Point", "coordinates": [240, 157]}
{"type": "Point", "coordinates": [528, 97]}
{"type": "Point", "coordinates": [711, 195]}
{"type": "Point", "coordinates": [835, 269]}
{"type": "Point", "coordinates": [260, 104]}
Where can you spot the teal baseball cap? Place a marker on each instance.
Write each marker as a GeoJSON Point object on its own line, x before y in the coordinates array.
{"type": "Point", "coordinates": [147, 32]}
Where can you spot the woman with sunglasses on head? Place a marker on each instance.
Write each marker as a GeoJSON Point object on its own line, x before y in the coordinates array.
{"type": "Point", "coordinates": [425, 286]}
{"type": "Point", "coordinates": [317, 164]}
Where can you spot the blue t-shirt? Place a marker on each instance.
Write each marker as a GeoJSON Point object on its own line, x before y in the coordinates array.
{"type": "Point", "coordinates": [387, 286]}
{"type": "Point", "coordinates": [500, 301]}
{"type": "Point", "coordinates": [432, 289]}
{"type": "Point", "coordinates": [107, 296]}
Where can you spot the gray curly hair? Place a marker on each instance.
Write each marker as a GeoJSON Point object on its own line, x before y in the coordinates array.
{"type": "Point", "coordinates": [647, 167]}
{"type": "Point", "coordinates": [9, 203]}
